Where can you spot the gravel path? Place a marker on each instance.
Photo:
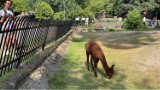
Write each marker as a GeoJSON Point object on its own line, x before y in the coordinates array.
{"type": "Point", "coordinates": [40, 77]}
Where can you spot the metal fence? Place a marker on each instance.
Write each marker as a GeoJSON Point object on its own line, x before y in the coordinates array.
{"type": "Point", "coordinates": [22, 37]}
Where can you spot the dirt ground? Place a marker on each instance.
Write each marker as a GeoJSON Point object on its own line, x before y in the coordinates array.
{"type": "Point", "coordinates": [39, 79]}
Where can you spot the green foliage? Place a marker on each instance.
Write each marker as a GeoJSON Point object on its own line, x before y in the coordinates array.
{"type": "Point", "coordinates": [149, 5]}
{"type": "Point", "coordinates": [81, 8]}
{"type": "Point", "coordinates": [86, 13]}
{"type": "Point", "coordinates": [134, 20]}
{"type": "Point", "coordinates": [91, 8]}
{"type": "Point", "coordinates": [32, 4]}
{"type": "Point", "coordinates": [107, 7]}
{"type": "Point", "coordinates": [58, 16]}
{"type": "Point", "coordinates": [55, 4]}
{"type": "Point", "coordinates": [83, 3]}
{"type": "Point", "coordinates": [97, 6]}
{"type": "Point", "coordinates": [43, 10]}
{"type": "Point", "coordinates": [72, 9]}
{"type": "Point", "coordinates": [21, 5]}
{"type": "Point", "coordinates": [116, 7]}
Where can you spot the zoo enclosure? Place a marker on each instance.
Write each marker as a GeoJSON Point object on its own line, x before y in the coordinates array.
{"type": "Point", "coordinates": [22, 37]}
{"type": "Point", "coordinates": [116, 23]}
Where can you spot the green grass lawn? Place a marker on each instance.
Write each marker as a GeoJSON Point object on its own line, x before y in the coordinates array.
{"type": "Point", "coordinates": [73, 74]}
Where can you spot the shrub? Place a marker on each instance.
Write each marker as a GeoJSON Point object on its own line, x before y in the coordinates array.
{"type": "Point", "coordinates": [134, 20]}
{"type": "Point", "coordinates": [44, 11]}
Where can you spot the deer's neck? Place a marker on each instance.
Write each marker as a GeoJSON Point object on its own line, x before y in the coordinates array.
{"type": "Point", "coordinates": [104, 64]}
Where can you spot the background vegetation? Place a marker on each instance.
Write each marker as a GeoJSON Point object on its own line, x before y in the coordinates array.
{"type": "Point", "coordinates": [69, 9]}
{"type": "Point", "coordinates": [84, 8]}
{"type": "Point", "coordinates": [134, 20]}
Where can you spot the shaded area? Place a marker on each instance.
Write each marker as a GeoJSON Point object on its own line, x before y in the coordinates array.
{"type": "Point", "coordinates": [124, 40]}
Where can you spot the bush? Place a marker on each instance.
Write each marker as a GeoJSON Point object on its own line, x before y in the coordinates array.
{"type": "Point", "coordinates": [44, 11]}
{"type": "Point", "coordinates": [134, 20]}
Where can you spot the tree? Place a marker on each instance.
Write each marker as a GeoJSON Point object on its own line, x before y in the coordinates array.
{"type": "Point", "coordinates": [107, 7]}
{"type": "Point", "coordinates": [58, 15]}
{"type": "Point", "coordinates": [83, 3]}
{"type": "Point", "coordinates": [70, 7]}
{"type": "Point", "coordinates": [32, 4]}
{"type": "Point", "coordinates": [21, 5]}
{"type": "Point", "coordinates": [86, 13]}
{"type": "Point", "coordinates": [115, 7]}
{"type": "Point", "coordinates": [43, 11]}
{"type": "Point", "coordinates": [149, 5]}
{"type": "Point", "coordinates": [143, 5]}
{"type": "Point", "coordinates": [55, 4]}
{"type": "Point", "coordinates": [97, 6]}
{"type": "Point", "coordinates": [74, 8]}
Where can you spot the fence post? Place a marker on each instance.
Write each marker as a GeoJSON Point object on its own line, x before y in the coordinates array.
{"type": "Point", "coordinates": [58, 34]}
{"type": "Point", "coordinates": [45, 37]}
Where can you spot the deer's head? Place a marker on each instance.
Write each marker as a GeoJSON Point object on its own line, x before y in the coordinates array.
{"type": "Point", "coordinates": [111, 71]}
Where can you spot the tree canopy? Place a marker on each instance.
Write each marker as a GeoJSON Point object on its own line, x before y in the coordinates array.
{"type": "Point", "coordinates": [43, 10]}
{"type": "Point", "coordinates": [69, 9]}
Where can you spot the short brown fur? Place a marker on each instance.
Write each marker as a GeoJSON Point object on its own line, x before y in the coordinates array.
{"type": "Point", "coordinates": [94, 50]}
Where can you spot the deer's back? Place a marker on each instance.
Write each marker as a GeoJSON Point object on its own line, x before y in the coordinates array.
{"type": "Point", "coordinates": [94, 49]}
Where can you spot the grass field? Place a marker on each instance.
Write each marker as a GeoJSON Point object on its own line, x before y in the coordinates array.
{"type": "Point", "coordinates": [134, 54]}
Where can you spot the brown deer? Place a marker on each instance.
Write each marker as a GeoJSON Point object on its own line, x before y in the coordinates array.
{"type": "Point", "coordinates": [94, 50]}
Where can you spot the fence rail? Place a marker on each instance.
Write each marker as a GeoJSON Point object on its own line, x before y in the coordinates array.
{"type": "Point", "coordinates": [22, 37]}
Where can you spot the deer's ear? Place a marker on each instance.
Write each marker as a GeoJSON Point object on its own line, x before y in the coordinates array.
{"type": "Point", "coordinates": [112, 66]}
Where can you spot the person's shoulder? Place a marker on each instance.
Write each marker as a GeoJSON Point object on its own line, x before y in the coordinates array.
{"type": "Point", "coordinates": [1, 12]}
{"type": "Point", "coordinates": [10, 10]}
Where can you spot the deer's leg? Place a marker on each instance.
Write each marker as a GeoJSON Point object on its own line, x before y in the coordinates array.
{"type": "Point", "coordinates": [95, 67]}
{"type": "Point", "coordinates": [92, 63]}
{"type": "Point", "coordinates": [87, 61]}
